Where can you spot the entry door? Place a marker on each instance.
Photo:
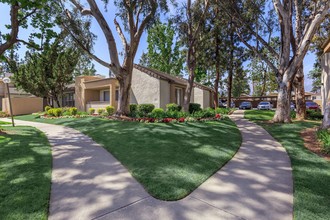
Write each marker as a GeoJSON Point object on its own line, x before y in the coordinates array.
{"type": "Point", "coordinates": [106, 96]}
{"type": "Point", "coordinates": [178, 96]}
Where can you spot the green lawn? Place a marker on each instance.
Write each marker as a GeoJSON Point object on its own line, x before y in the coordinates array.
{"type": "Point", "coordinates": [311, 173]}
{"type": "Point", "coordinates": [169, 160]}
{"type": "Point", "coordinates": [259, 115]}
{"type": "Point", "coordinates": [25, 174]}
{"type": "Point", "coordinates": [4, 123]}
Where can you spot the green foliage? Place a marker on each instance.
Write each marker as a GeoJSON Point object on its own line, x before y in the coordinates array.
{"type": "Point", "coordinates": [205, 113]}
{"type": "Point", "coordinates": [47, 74]}
{"type": "Point", "coordinates": [73, 111]}
{"type": "Point", "coordinates": [223, 111]}
{"type": "Point", "coordinates": [157, 113]}
{"type": "Point", "coordinates": [47, 108]}
{"type": "Point", "coordinates": [110, 110]}
{"type": "Point", "coordinates": [194, 107]}
{"type": "Point", "coordinates": [55, 112]}
{"type": "Point", "coordinates": [100, 111]}
{"type": "Point", "coordinates": [324, 137]}
{"type": "Point", "coordinates": [144, 109]}
{"type": "Point", "coordinates": [3, 114]}
{"type": "Point", "coordinates": [293, 114]}
{"type": "Point", "coordinates": [162, 54]}
{"type": "Point", "coordinates": [173, 107]}
{"type": "Point", "coordinates": [82, 113]}
{"type": "Point", "coordinates": [133, 110]}
{"type": "Point", "coordinates": [176, 114]}
{"type": "Point", "coordinates": [91, 111]}
{"type": "Point", "coordinates": [314, 115]}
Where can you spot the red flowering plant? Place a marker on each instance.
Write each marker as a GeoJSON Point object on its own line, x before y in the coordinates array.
{"type": "Point", "coordinates": [181, 120]}
{"type": "Point", "coordinates": [167, 120]}
{"type": "Point", "coordinates": [217, 116]}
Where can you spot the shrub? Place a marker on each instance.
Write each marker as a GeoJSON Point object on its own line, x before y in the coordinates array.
{"type": "Point", "coordinates": [133, 110]}
{"type": "Point", "coordinates": [173, 107]}
{"type": "Point", "coordinates": [176, 114]}
{"type": "Point", "coordinates": [222, 111]}
{"type": "Point", "coordinates": [50, 112]}
{"type": "Point", "coordinates": [314, 115]}
{"type": "Point", "coordinates": [324, 137]}
{"type": "Point", "coordinates": [144, 109]}
{"type": "Point", "coordinates": [73, 111]}
{"type": "Point", "coordinates": [110, 110]}
{"type": "Point", "coordinates": [100, 111]}
{"type": "Point", "coordinates": [91, 111]}
{"type": "Point", "coordinates": [194, 107]}
{"type": "Point", "coordinates": [3, 114]}
{"type": "Point", "coordinates": [206, 113]}
{"type": "Point", "coordinates": [293, 114]}
{"type": "Point", "coordinates": [82, 113]}
{"type": "Point", "coordinates": [47, 108]}
{"type": "Point", "coordinates": [157, 113]}
{"type": "Point", "coordinates": [57, 112]}
{"type": "Point", "coordinates": [67, 113]}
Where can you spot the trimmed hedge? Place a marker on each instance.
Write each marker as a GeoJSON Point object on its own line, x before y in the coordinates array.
{"type": "Point", "coordinates": [173, 107]}
{"type": "Point", "coordinates": [110, 110]}
{"type": "Point", "coordinates": [194, 107]}
{"type": "Point", "coordinates": [157, 113]}
{"type": "Point", "coordinates": [144, 109]}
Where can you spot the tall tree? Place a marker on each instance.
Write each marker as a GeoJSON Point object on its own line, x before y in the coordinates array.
{"type": "Point", "coordinates": [25, 14]}
{"type": "Point", "coordinates": [189, 32]}
{"type": "Point", "coordinates": [136, 16]}
{"type": "Point", "coordinates": [48, 73]}
{"type": "Point", "coordinates": [293, 46]}
{"type": "Point", "coordinates": [163, 53]}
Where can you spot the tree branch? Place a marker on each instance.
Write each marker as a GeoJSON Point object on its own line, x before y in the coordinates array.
{"type": "Point", "coordinates": [121, 34]}
{"type": "Point", "coordinates": [34, 46]}
{"type": "Point", "coordinates": [28, 15]}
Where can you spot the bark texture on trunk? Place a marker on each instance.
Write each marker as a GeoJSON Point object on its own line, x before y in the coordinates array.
{"type": "Point", "coordinates": [124, 95]}
{"type": "Point", "coordinates": [300, 94]}
{"type": "Point", "coordinates": [189, 87]}
{"type": "Point", "coordinates": [282, 113]}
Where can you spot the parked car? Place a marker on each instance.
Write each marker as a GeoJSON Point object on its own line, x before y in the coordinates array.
{"type": "Point", "coordinates": [245, 105]}
{"type": "Point", "coordinates": [232, 105]}
{"type": "Point", "coordinates": [265, 105]}
{"type": "Point", "coordinates": [292, 106]}
{"type": "Point", "coordinates": [312, 105]}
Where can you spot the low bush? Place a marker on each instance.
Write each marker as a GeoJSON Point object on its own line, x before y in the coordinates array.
{"type": "Point", "coordinates": [57, 112]}
{"type": "Point", "coordinates": [133, 110]}
{"type": "Point", "coordinates": [222, 111]}
{"type": "Point", "coordinates": [3, 114]}
{"type": "Point", "coordinates": [314, 115]}
{"type": "Point", "coordinates": [157, 113]}
{"type": "Point", "coordinates": [206, 113]}
{"type": "Point", "coordinates": [91, 111]}
{"type": "Point", "coordinates": [144, 109]}
{"type": "Point", "coordinates": [100, 111]}
{"type": "Point", "coordinates": [173, 107]}
{"type": "Point", "coordinates": [110, 110]}
{"type": "Point", "coordinates": [293, 114]}
{"type": "Point", "coordinates": [73, 111]}
{"type": "Point", "coordinates": [176, 114]}
{"type": "Point", "coordinates": [324, 137]}
{"type": "Point", "coordinates": [67, 113]}
{"type": "Point", "coordinates": [47, 108]}
{"type": "Point", "coordinates": [82, 113]}
{"type": "Point", "coordinates": [194, 107]}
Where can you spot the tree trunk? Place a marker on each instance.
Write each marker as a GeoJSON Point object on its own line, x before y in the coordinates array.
{"type": "Point", "coordinates": [282, 113]}
{"type": "Point", "coordinates": [231, 66]}
{"type": "Point", "coordinates": [216, 87]}
{"type": "Point", "coordinates": [300, 94]}
{"type": "Point", "coordinates": [189, 88]}
{"type": "Point", "coordinates": [124, 94]}
{"type": "Point", "coordinates": [326, 117]}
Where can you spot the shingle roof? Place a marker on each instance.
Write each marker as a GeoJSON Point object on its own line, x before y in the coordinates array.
{"type": "Point", "coordinates": [161, 75]}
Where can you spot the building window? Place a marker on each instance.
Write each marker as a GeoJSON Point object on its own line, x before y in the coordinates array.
{"type": "Point", "coordinates": [68, 100]}
{"type": "Point", "coordinates": [178, 96]}
{"type": "Point", "coordinates": [106, 96]}
{"type": "Point", "coordinates": [117, 94]}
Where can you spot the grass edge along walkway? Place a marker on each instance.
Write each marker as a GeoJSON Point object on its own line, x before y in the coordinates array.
{"type": "Point", "coordinates": [169, 159]}
{"type": "Point", "coordinates": [25, 173]}
{"type": "Point", "coordinates": [311, 173]}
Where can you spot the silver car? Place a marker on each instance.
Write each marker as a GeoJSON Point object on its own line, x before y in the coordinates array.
{"type": "Point", "coordinates": [265, 106]}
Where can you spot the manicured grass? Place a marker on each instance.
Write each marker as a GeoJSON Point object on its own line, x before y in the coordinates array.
{"type": "Point", "coordinates": [170, 160]}
{"type": "Point", "coordinates": [25, 174]}
{"type": "Point", "coordinates": [259, 115]}
{"type": "Point", "coordinates": [311, 173]}
{"type": "Point", "coordinates": [4, 123]}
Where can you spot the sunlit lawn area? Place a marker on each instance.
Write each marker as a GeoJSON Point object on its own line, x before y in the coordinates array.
{"type": "Point", "coordinates": [311, 173]}
{"type": "Point", "coordinates": [25, 173]}
{"type": "Point", "coordinates": [170, 160]}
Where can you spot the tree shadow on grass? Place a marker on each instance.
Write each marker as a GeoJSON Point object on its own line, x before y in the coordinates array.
{"type": "Point", "coordinates": [25, 174]}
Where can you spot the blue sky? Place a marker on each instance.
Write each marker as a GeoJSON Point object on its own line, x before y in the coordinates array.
{"type": "Point", "coordinates": [100, 47]}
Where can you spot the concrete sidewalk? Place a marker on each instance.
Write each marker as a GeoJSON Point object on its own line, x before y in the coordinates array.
{"type": "Point", "coordinates": [88, 183]}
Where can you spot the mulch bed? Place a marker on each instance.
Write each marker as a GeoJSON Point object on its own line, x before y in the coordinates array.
{"type": "Point", "coordinates": [312, 143]}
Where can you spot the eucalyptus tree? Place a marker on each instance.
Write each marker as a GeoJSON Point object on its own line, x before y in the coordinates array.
{"type": "Point", "coordinates": [190, 18]}
{"type": "Point", "coordinates": [136, 16]}
{"type": "Point", "coordinates": [293, 44]}
{"type": "Point", "coordinates": [35, 16]}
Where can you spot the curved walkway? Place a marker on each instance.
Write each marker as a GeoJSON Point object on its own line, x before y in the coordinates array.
{"type": "Point", "coordinates": [89, 183]}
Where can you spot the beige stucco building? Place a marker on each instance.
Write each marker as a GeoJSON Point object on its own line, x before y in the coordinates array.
{"type": "Point", "coordinates": [148, 87]}
{"type": "Point", "coordinates": [325, 77]}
